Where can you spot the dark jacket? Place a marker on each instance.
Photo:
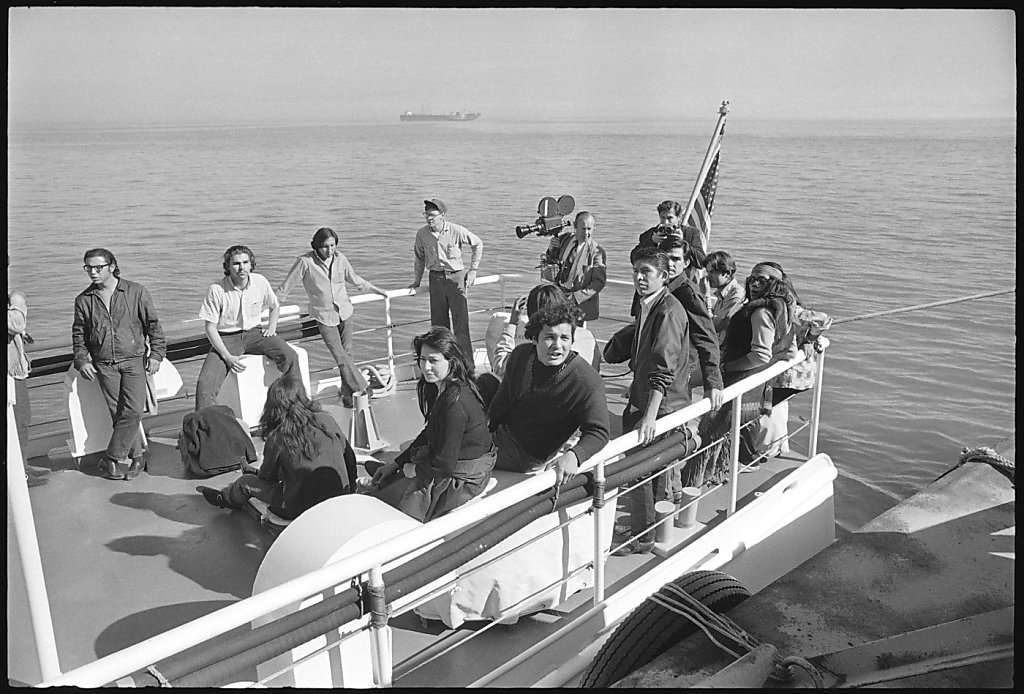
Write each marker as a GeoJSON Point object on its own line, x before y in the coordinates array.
{"type": "Point", "coordinates": [119, 333]}
{"type": "Point", "coordinates": [659, 359]}
{"type": "Point", "coordinates": [541, 419]}
{"type": "Point", "coordinates": [212, 441]}
{"type": "Point", "coordinates": [303, 482]}
{"type": "Point", "coordinates": [701, 326]}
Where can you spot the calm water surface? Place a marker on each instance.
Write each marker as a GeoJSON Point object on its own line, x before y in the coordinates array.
{"type": "Point", "coordinates": [864, 216]}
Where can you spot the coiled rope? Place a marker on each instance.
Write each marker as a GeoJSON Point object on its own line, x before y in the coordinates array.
{"type": "Point", "coordinates": [719, 628]}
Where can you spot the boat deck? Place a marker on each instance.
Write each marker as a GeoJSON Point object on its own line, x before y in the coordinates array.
{"type": "Point", "coordinates": [944, 555]}
{"type": "Point", "coordinates": [124, 561]}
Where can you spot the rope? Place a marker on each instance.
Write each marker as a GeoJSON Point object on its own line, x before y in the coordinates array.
{"type": "Point", "coordinates": [677, 600]}
{"type": "Point", "coordinates": [984, 454]}
{"type": "Point", "coordinates": [918, 307]}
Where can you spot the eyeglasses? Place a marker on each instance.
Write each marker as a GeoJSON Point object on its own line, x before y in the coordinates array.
{"type": "Point", "coordinates": [757, 279]}
{"type": "Point", "coordinates": [97, 268]}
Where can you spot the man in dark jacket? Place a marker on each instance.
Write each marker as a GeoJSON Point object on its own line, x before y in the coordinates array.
{"type": "Point", "coordinates": [114, 321]}
{"type": "Point", "coordinates": [700, 325]}
{"type": "Point", "coordinates": [548, 392]}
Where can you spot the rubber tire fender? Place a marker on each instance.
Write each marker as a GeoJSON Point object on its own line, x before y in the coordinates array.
{"type": "Point", "coordinates": [650, 629]}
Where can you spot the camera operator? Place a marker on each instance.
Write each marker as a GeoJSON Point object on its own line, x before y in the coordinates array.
{"type": "Point", "coordinates": [582, 265]}
{"type": "Point", "coordinates": [670, 222]}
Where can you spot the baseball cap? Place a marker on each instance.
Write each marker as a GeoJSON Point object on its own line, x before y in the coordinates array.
{"type": "Point", "coordinates": [436, 203]}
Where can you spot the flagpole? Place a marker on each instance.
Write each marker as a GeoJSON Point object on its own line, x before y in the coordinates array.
{"type": "Point", "coordinates": [723, 110]}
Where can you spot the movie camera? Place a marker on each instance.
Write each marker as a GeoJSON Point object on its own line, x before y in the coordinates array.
{"type": "Point", "coordinates": [552, 217]}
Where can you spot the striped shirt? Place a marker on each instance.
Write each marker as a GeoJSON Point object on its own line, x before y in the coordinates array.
{"type": "Point", "coordinates": [325, 285]}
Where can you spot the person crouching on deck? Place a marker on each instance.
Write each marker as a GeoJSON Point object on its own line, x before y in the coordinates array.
{"type": "Point", "coordinates": [549, 391]}
{"type": "Point", "coordinates": [658, 350]}
{"type": "Point", "coordinates": [450, 462]}
{"type": "Point", "coordinates": [306, 458]}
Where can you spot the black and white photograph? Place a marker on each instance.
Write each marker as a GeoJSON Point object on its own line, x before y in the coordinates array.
{"type": "Point", "coordinates": [585, 347]}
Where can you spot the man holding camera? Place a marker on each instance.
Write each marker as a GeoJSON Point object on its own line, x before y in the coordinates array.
{"type": "Point", "coordinates": [438, 248]}
{"type": "Point", "coordinates": [582, 265]}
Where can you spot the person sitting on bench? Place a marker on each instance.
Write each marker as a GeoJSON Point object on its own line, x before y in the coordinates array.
{"type": "Point", "coordinates": [306, 459]}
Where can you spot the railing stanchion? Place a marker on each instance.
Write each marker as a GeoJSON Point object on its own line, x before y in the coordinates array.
{"type": "Point", "coordinates": [20, 515]}
{"type": "Point", "coordinates": [391, 341]}
{"type": "Point", "coordinates": [812, 445]}
{"type": "Point", "coordinates": [734, 453]}
{"type": "Point", "coordinates": [501, 287]}
{"type": "Point", "coordinates": [380, 636]}
{"type": "Point", "coordinates": [597, 505]}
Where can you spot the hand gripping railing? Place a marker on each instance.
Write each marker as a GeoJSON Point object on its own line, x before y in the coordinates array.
{"type": "Point", "coordinates": [372, 560]}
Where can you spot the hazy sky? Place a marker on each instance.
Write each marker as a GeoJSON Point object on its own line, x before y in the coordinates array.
{"type": "Point", "coordinates": [202, 65]}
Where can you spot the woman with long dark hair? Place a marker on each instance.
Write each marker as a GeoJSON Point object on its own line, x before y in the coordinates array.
{"type": "Point", "coordinates": [450, 462]}
{"type": "Point", "coordinates": [758, 335]}
{"type": "Point", "coordinates": [306, 458]}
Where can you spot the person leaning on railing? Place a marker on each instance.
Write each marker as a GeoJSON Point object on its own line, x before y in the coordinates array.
{"type": "Point", "coordinates": [114, 321]}
{"type": "Point", "coordinates": [450, 461]}
{"type": "Point", "coordinates": [658, 351]}
{"type": "Point", "coordinates": [760, 334]}
{"type": "Point", "coordinates": [323, 272]}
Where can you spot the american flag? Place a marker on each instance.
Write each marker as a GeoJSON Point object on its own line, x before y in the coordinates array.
{"type": "Point", "coordinates": [700, 215]}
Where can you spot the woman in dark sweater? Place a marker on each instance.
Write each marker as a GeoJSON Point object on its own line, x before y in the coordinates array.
{"type": "Point", "coordinates": [450, 462]}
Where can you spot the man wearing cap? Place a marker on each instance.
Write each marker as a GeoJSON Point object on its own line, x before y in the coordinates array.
{"type": "Point", "coordinates": [438, 248]}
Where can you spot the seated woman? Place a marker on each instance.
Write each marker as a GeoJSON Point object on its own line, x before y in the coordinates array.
{"type": "Point", "coordinates": [450, 462]}
{"type": "Point", "coordinates": [306, 458]}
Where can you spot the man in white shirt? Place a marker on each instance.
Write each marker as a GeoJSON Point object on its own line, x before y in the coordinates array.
{"type": "Point", "coordinates": [232, 311]}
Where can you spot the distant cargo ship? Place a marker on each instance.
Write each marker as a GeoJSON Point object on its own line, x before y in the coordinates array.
{"type": "Point", "coordinates": [458, 115]}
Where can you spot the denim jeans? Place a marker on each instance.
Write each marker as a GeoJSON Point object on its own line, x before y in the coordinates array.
{"type": "Point", "coordinates": [252, 341]}
{"type": "Point", "coordinates": [338, 339]}
{"type": "Point", "coordinates": [448, 296]}
{"type": "Point", "coordinates": [124, 388]}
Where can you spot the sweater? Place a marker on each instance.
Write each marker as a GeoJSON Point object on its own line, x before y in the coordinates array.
{"type": "Point", "coordinates": [456, 429]}
{"type": "Point", "coordinates": [542, 418]}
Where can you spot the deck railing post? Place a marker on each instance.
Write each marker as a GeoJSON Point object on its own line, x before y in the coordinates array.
{"type": "Point", "coordinates": [391, 341]}
{"type": "Point", "coordinates": [734, 453]}
{"type": "Point", "coordinates": [597, 505]}
{"type": "Point", "coordinates": [812, 445]}
{"type": "Point", "coordinates": [380, 641]}
{"type": "Point", "coordinates": [501, 288]}
{"type": "Point", "coordinates": [20, 510]}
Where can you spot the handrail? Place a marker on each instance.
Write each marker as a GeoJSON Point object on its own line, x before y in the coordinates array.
{"type": "Point", "coordinates": [156, 648]}
{"type": "Point", "coordinates": [294, 311]}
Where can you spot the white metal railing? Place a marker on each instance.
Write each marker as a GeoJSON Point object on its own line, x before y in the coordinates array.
{"type": "Point", "coordinates": [370, 561]}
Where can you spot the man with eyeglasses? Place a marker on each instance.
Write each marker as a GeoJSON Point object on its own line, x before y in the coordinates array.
{"type": "Point", "coordinates": [114, 321]}
{"type": "Point", "coordinates": [438, 248]}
